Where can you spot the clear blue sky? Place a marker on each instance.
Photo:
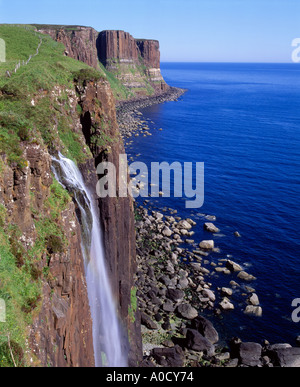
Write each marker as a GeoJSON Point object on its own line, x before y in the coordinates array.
{"type": "Point", "coordinates": [188, 30]}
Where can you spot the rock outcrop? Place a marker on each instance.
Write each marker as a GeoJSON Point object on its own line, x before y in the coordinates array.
{"type": "Point", "coordinates": [61, 334]}
{"type": "Point", "coordinates": [136, 62]}
{"type": "Point", "coordinates": [102, 135]}
{"type": "Point", "coordinates": [80, 42]}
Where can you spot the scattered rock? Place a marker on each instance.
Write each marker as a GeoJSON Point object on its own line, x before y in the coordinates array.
{"type": "Point", "coordinates": [250, 354]}
{"type": "Point", "coordinates": [147, 322]}
{"type": "Point", "coordinates": [187, 311]}
{"type": "Point", "coordinates": [167, 232]}
{"type": "Point", "coordinates": [227, 292]}
{"type": "Point", "coordinates": [254, 310]}
{"type": "Point", "coordinates": [210, 227]}
{"type": "Point", "coordinates": [233, 266]}
{"type": "Point", "coordinates": [245, 276]}
{"type": "Point", "coordinates": [225, 304]}
{"type": "Point", "coordinates": [285, 357]}
{"type": "Point", "coordinates": [207, 245]}
{"type": "Point", "coordinates": [210, 294]}
{"type": "Point", "coordinates": [175, 295]}
{"type": "Point", "coordinates": [254, 300]}
{"type": "Point", "coordinates": [168, 357]}
{"type": "Point", "coordinates": [197, 342]}
{"type": "Point", "coordinates": [206, 329]}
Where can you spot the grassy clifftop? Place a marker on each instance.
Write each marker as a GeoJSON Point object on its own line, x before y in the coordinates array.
{"type": "Point", "coordinates": [28, 109]}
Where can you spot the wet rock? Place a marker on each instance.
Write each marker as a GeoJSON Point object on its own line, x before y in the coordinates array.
{"type": "Point", "coordinates": [207, 245]}
{"type": "Point", "coordinates": [210, 294]}
{"type": "Point", "coordinates": [225, 304]}
{"type": "Point", "coordinates": [254, 310]}
{"type": "Point", "coordinates": [245, 276]}
{"type": "Point", "coordinates": [233, 266]}
{"type": "Point", "coordinates": [210, 227]}
{"type": "Point", "coordinates": [222, 270]}
{"type": "Point", "coordinates": [227, 292]}
{"type": "Point", "coordinates": [167, 232]}
{"type": "Point", "coordinates": [185, 225]}
{"type": "Point", "coordinates": [254, 300]}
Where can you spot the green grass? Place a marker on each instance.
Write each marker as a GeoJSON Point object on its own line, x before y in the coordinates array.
{"type": "Point", "coordinates": [19, 119]}
{"type": "Point", "coordinates": [119, 90]}
{"type": "Point", "coordinates": [20, 280]}
{"type": "Point", "coordinates": [133, 304]}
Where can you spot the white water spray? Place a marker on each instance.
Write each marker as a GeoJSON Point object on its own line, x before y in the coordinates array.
{"type": "Point", "coordinates": [106, 329]}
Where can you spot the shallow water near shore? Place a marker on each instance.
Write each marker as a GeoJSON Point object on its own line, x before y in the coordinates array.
{"type": "Point", "coordinates": [242, 121]}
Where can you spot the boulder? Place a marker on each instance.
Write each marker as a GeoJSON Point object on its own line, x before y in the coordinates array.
{"type": "Point", "coordinates": [227, 292]}
{"type": "Point", "coordinates": [187, 311]}
{"type": "Point", "coordinates": [207, 245]}
{"type": "Point", "coordinates": [168, 306]}
{"type": "Point", "coordinates": [233, 266]}
{"type": "Point", "coordinates": [198, 343]}
{"type": "Point", "coordinates": [254, 300]}
{"type": "Point", "coordinates": [175, 295]}
{"type": "Point", "coordinates": [285, 357]}
{"type": "Point", "coordinates": [169, 357]}
{"type": "Point", "coordinates": [254, 310]}
{"type": "Point", "coordinates": [245, 276]}
{"type": "Point", "coordinates": [210, 294]}
{"type": "Point", "coordinates": [210, 227]}
{"type": "Point", "coordinates": [185, 225]}
{"type": "Point", "coordinates": [147, 322]}
{"type": "Point", "coordinates": [225, 304]}
{"type": "Point", "coordinates": [167, 232]}
{"type": "Point", "coordinates": [206, 329]}
{"type": "Point", "coordinates": [250, 354]}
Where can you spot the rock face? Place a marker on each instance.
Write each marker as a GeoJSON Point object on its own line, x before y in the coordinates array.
{"type": "Point", "coordinates": [117, 216]}
{"type": "Point", "coordinates": [80, 42]}
{"type": "Point", "coordinates": [61, 334]}
{"type": "Point", "coordinates": [135, 62]}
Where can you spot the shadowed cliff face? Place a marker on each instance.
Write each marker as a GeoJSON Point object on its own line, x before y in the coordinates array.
{"type": "Point", "coordinates": [61, 334]}
{"type": "Point", "coordinates": [117, 216]}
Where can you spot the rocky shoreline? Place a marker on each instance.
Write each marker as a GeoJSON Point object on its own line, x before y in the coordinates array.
{"type": "Point", "coordinates": [175, 289]}
{"type": "Point", "coordinates": [130, 118]}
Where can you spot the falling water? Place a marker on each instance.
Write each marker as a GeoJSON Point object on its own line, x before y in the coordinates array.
{"type": "Point", "coordinates": [106, 329]}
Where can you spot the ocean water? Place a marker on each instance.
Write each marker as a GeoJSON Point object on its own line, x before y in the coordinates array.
{"type": "Point", "coordinates": [243, 122]}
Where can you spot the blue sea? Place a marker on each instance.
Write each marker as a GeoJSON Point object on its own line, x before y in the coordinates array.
{"type": "Point", "coordinates": [243, 122]}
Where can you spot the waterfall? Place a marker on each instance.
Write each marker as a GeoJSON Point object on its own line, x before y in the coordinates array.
{"type": "Point", "coordinates": [106, 328]}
